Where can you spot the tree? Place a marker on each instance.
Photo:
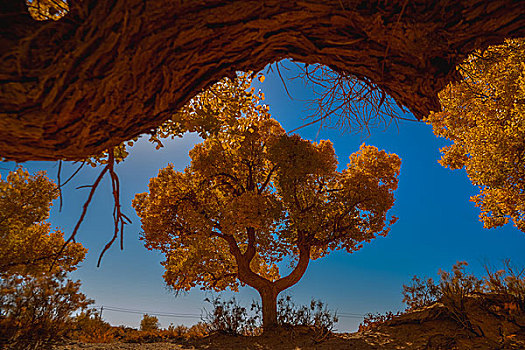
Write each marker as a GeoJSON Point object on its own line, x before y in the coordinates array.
{"type": "Point", "coordinates": [253, 196]}
{"type": "Point", "coordinates": [36, 298]}
{"type": "Point", "coordinates": [149, 323]}
{"type": "Point", "coordinates": [109, 71]}
{"type": "Point", "coordinates": [29, 245]}
{"type": "Point", "coordinates": [484, 117]}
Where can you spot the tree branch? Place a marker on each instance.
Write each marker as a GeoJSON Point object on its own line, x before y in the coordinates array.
{"type": "Point", "coordinates": [250, 250]}
{"type": "Point", "coordinates": [267, 180]}
{"type": "Point", "coordinates": [298, 271]}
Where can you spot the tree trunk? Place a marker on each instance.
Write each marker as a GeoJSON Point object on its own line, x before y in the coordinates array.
{"type": "Point", "coordinates": [269, 308]}
{"type": "Point", "coordinates": [111, 70]}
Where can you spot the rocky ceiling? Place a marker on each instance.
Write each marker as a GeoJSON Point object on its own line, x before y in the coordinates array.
{"type": "Point", "coordinates": [110, 70]}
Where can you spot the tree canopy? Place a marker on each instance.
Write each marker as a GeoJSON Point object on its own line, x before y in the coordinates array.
{"type": "Point", "coordinates": [484, 117]}
{"type": "Point", "coordinates": [29, 244]}
{"type": "Point", "coordinates": [253, 196]}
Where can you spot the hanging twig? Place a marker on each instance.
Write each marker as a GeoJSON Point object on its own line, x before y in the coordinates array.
{"type": "Point", "coordinates": [73, 175]}
{"type": "Point", "coordinates": [59, 185]}
{"type": "Point", "coordinates": [282, 80]}
{"type": "Point", "coordinates": [119, 218]}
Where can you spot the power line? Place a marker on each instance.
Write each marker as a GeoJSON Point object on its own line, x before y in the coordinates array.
{"type": "Point", "coordinates": [191, 315]}
{"type": "Point", "coordinates": [141, 312]}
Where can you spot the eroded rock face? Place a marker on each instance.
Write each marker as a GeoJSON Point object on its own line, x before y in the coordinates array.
{"type": "Point", "coordinates": [111, 70]}
{"type": "Point", "coordinates": [485, 321]}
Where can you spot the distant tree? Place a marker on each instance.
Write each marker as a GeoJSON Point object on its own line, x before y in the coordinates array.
{"type": "Point", "coordinates": [29, 245]}
{"type": "Point", "coordinates": [149, 323]}
{"type": "Point", "coordinates": [253, 196]}
{"type": "Point", "coordinates": [484, 116]}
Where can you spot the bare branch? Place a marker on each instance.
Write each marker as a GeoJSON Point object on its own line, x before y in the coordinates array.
{"type": "Point", "coordinates": [348, 102]}
{"type": "Point", "coordinates": [73, 175]}
{"type": "Point", "coordinates": [119, 219]}
{"type": "Point", "coordinates": [59, 185]}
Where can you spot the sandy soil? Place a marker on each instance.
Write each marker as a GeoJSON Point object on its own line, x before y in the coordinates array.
{"type": "Point", "coordinates": [493, 326]}
{"type": "Point", "coordinates": [355, 341]}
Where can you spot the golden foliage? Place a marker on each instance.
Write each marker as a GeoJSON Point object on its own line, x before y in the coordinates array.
{"type": "Point", "coordinates": [149, 323]}
{"type": "Point", "coordinates": [43, 10]}
{"type": "Point", "coordinates": [36, 298]}
{"type": "Point", "coordinates": [484, 116]}
{"type": "Point", "coordinates": [36, 311]}
{"type": "Point", "coordinates": [29, 246]}
{"type": "Point", "coordinates": [90, 328]}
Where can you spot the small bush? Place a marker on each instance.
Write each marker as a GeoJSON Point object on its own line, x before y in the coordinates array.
{"type": "Point", "coordinates": [198, 330]}
{"type": "Point", "coordinates": [509, 280]}
{"type": "Point", "coordinates": [228, 317]}
{"type": "Point", "coordinates": [90, 328]}
{"type": "Point", "coordinates": [455, 287]}
{"type": "Point", "coordinates": [316, 315]}
{"type": "Point", "coordinates": [177, 331]}
{"type": "Point", "coordinates": [37, 311]}
{"type": "Point", "coordinates": [420, 293]}
{"type": "Point", "coordinates": [371, 321]}
{"type": "Point", "coordinates": [453, 290]}
{"type": "Point", "coordinates": [149, 323]}
{"type": "Point", "coordinates": [146, 336]}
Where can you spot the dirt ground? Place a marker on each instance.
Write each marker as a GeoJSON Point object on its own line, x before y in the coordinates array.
{"type": "Point", "coordinates": [491, 326]}
{"type": "Point", "coordinates": [388, 339]}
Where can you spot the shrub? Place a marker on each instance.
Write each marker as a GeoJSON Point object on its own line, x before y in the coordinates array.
{"type": "Point", "coordinates": [420, 293]}
{"type": "Point", "coordinates": [198, 330]}
{"type": "Point", "coordinates": [146, 336]}
{"type": "Point", "coordinates": [509, 280]}
{"type": "Point", "coordinates": [178, 331]}
{"type": "Point", "coordinates": [36, 311]}
{"type": "Point", "coordinates": [456, 286]}
{"type": "Point", "coordinates": [90, 328]}
{"type": "Point", "coordinates": [149, 323]}
{"type": "Point", "coordinates": [371, 321]}
{"type": "Point", "coordinates": [229, 317]}
{"type": "Point", "coordinates": [452, 290]}
{"type": "Point", "coordinates": [316, 315]}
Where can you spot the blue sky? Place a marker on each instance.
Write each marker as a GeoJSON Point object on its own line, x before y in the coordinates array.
{"type": "Point", "coordinates": [437, 226]}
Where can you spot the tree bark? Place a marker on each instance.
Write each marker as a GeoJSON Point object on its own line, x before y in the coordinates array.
{"type": "Point", "coordinates": [269, 308]}
{"type": "Point", "coordinates": [111, 70]}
